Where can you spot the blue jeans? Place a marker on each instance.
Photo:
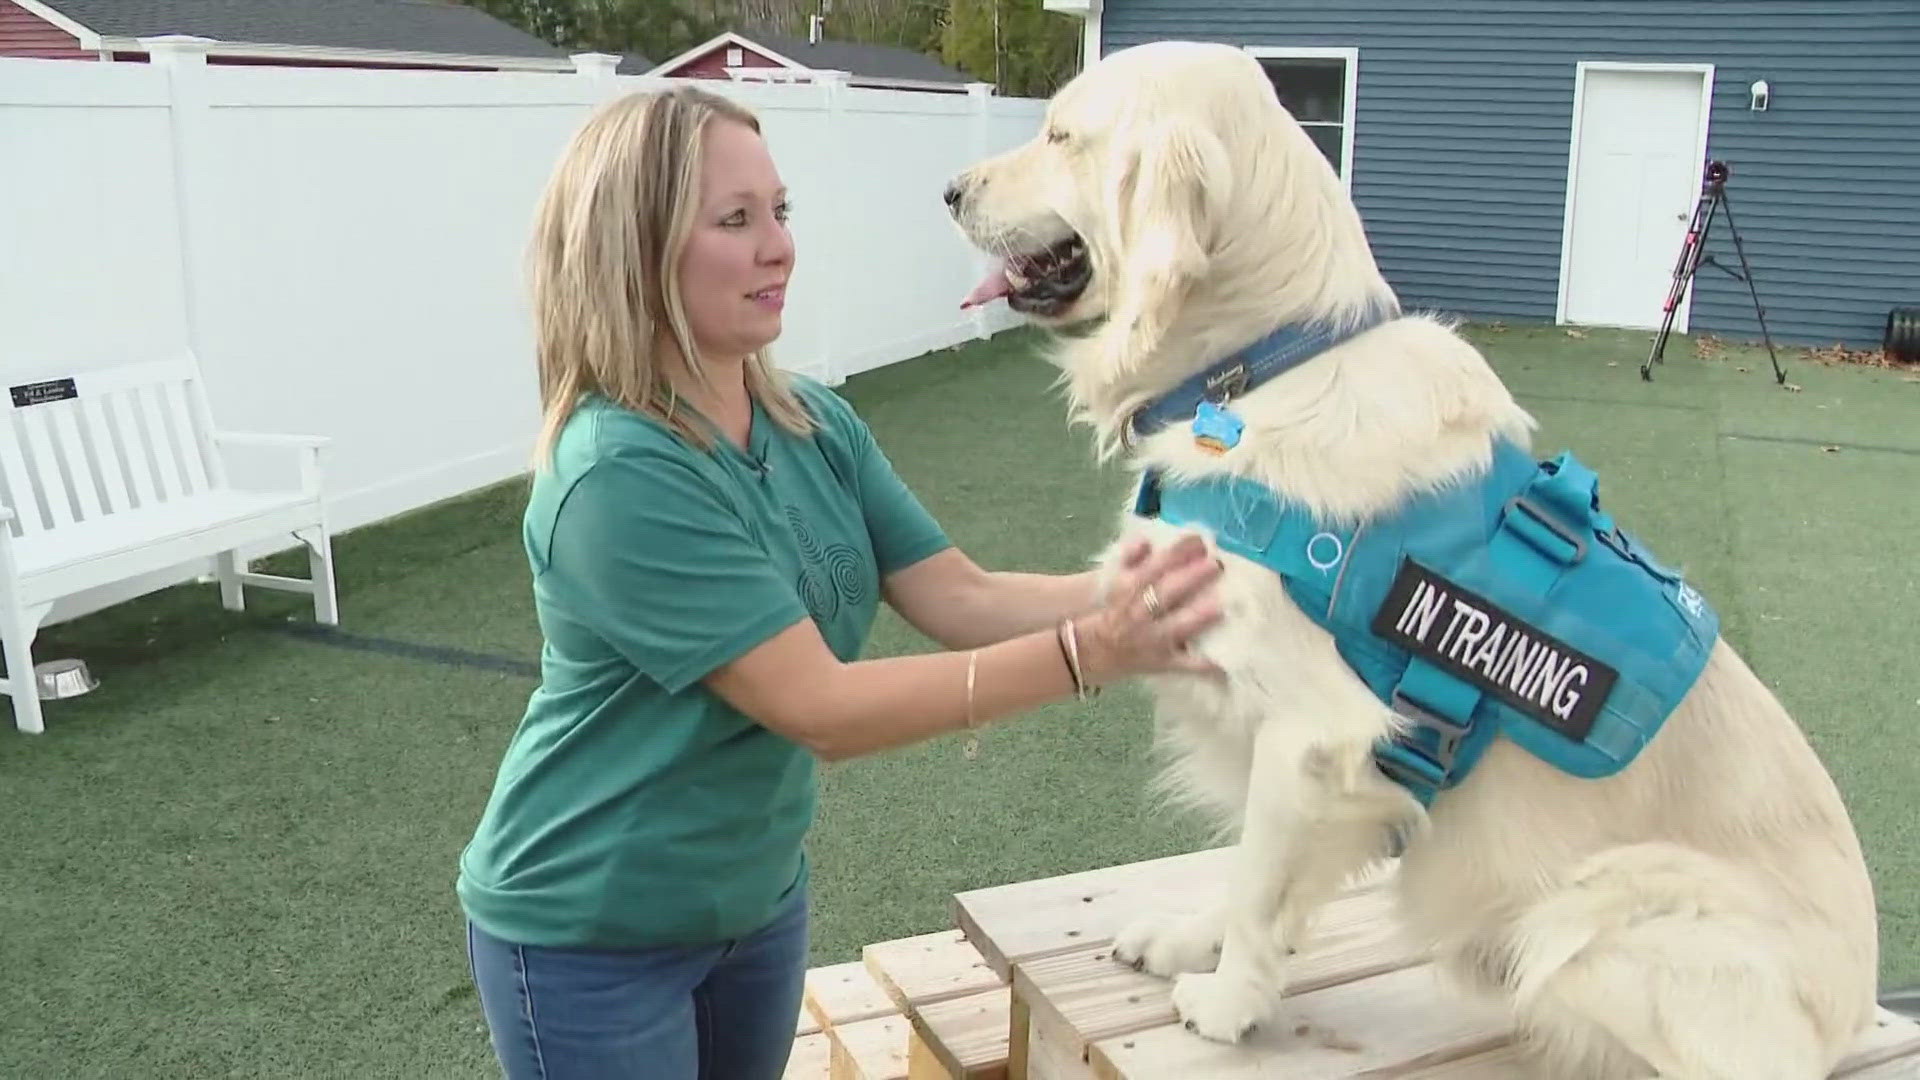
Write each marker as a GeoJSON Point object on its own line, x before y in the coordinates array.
{"type": "Point", "coordinates": [715, 1012]}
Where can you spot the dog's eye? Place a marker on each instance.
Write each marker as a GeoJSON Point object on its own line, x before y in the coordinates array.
{"type": "Point", "coordinates": [1055, 135]}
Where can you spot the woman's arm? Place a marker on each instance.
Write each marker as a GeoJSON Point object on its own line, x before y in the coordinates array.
{"type": "Point", "coordinates": [794, 684]}
{"type": "Point", "coordinates": [949, 598]}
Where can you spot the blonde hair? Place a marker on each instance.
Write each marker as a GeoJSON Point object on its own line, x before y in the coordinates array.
{"type": "Point", "coordinates": [604, 266]}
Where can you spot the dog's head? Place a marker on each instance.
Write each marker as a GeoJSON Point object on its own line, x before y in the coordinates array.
{"type": "Point", "coordinates": [1164, 178]}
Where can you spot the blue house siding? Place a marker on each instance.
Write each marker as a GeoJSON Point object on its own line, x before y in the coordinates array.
{"type": "Point", "coordinates": [1463, 129]}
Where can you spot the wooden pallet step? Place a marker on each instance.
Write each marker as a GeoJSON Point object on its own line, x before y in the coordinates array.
{"type": "Point", "coordinates": [963, 1038]}
{"type": "Point", "coordinates": [844, 994]}
{"type": "Point", "coordinates": [811, 1059]}
{"type": "Point", "coordinates": [917, 971]}
{"type": "Point", "coordinates": [871, 1049]}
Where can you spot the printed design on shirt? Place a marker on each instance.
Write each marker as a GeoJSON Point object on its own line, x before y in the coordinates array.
{"type": "Point", "coordinates": [830, 575]}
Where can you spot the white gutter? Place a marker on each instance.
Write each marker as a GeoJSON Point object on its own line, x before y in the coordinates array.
{"type": "Point", "coordinates": [253, 50]}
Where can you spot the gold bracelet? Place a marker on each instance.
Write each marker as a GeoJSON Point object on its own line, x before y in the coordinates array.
{"type": "Point", "coordinates": [973, 737]}
{"type": "Point", "coordinates": [1070, 645]}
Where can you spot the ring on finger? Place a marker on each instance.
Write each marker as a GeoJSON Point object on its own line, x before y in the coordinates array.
{"type": "Point", "coordinates": [1152, 600]}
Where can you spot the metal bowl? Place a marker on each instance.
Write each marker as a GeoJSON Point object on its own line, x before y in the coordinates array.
{"type": "Point", "coordinates": [59, 679]}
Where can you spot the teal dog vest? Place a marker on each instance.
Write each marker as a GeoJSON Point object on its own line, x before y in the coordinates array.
{"type": "Point", "coordinates": [1511, 605]}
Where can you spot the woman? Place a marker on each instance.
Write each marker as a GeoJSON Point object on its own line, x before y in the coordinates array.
{"type": "Point", "coordinates": [709, 540]}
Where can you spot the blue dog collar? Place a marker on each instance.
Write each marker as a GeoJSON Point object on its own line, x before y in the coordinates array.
{"type": "Point", "coordinates": [1278, 352]}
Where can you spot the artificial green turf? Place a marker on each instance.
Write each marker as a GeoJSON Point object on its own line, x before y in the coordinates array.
{"type": "Point", "coordinates": [236, 857]}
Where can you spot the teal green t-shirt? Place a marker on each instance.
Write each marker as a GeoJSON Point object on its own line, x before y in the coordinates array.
{"type": "Point", "coordinates": [633, 806]}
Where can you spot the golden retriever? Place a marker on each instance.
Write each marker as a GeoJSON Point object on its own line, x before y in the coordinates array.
{"type": "Point", "coordinates": [1703, 913]}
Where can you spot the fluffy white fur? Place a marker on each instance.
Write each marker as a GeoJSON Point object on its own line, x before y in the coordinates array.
{"type": "Point", "coordinates": [1705, 914]}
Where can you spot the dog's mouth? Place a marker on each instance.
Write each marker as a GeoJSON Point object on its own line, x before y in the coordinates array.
{"type": "Point", "coordinates": [1044, 282]}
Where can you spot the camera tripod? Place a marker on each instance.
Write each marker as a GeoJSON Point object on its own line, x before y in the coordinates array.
{"type": "Point", "coordinates": [1713, 196]}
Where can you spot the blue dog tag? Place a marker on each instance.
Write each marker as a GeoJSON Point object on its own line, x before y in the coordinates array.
{"type": "Point", "coordinates": [1215, 429]}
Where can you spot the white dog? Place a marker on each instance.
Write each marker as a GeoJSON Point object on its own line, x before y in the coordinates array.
{"type": "Point", "coordinates": [1699, 907]}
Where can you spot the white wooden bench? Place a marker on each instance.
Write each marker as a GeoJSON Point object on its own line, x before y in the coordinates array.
{"type": "Point", "coordinates": [110, 475]}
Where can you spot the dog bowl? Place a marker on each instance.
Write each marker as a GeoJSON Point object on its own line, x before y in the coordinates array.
{"type": "Point", "coordinates": [58, 679]}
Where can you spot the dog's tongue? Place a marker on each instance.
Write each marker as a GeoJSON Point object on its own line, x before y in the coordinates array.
{"type": "Point", "coordinates": [992, 287]}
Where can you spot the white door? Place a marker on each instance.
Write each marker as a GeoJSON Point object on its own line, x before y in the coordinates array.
{"type": "Point", "coordinates": [1639, 148]}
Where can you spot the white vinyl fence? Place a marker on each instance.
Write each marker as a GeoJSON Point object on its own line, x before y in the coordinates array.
{"type": "Point", "coordinates": [342, 248]}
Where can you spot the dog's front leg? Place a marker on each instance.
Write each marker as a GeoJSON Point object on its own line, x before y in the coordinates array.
{"type": "Point", "coordinates": [1310, 823]}
{"type": "Point", "coordinates": [1244, 988]}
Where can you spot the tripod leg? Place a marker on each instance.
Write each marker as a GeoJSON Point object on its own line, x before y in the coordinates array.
{"type": "Point", "coordinates": [1683, 272]}
{"type": "Point", "coordinates": [1746, 272]}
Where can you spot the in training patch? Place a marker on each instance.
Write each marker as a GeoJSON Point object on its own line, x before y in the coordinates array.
{"type": "Point", "coordinates": [1473, 639]}
{"type": "Point", "coordinates": [42, 392]}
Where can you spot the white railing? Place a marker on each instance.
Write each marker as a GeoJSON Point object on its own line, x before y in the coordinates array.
{"type": "Point", "coordinates": [342, 248]}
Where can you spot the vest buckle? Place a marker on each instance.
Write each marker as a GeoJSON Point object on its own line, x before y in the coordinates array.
{"type": "Point", "coordinates": [1447, 732]}
{"type": "Point", "coordinates": [1545, 518]}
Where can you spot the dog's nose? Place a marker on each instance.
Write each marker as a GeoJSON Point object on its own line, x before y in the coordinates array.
{"type": "Point", "coordinates": [954, 193]}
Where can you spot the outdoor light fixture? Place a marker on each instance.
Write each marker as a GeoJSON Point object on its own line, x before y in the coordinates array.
{"type": "Point", "coordinates": [1760, 92]}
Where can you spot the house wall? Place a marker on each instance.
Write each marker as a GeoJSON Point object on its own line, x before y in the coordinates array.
{"type": "Point", "coordinates": [713, 64]}
{"type": "Point", "coordinates": [1463, 130]}
{"type": "Point", "coordinates": [23, 33]}
{"type": "Point", "coordinates": [342, 249]}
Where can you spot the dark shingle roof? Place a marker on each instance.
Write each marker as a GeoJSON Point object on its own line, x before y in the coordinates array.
{"type": "Point", "coordinates": [859, 58]}
{"type": "Point", "coordinates": [434, 26]}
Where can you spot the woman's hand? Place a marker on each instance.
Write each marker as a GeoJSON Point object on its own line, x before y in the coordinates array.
{"type": "Point", "coordinates": [1154, 606]}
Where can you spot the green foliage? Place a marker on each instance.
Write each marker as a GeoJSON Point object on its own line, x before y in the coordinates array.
{"type": "Point", "coordinates": [1025, 50]}
{"type": "Point", "coordinates": [656, 29]}
{"type": "Point", "coordinates": [1019, 46]}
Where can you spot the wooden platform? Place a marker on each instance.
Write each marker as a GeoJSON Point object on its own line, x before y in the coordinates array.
{"type": "Point", "coordinates": [1359, 1004]}
{"type": "Point", "coordinates": [1026, 989]}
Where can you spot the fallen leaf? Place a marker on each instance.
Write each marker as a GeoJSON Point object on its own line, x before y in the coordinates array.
{"type": "Point", "coordinates": [1576, 333]}
{"type": "Point", "coordinates": [1831, 449]}
{"type": "Point", "coordinates": [1613, 363]}
{"type": "Point", "coordinates": [1741, 370]}
{"type": "Point", "coordinates": [1791, 386]}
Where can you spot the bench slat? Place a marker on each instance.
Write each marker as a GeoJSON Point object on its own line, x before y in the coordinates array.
{"type": "Point", "coordinates": [20, 490]}
{"type": "Point", "coordinates": [46, 466]}
{"type": "Point", "coordinates": [186, 433]}
{"type": "Point", "coordinates": [120, 407]}
{"type": "Point", "coordinates": [113, 483]}
{"type": "Point", "coordinates": [167, 478]}
{"type": "Point", "coordinates": [64, 417]}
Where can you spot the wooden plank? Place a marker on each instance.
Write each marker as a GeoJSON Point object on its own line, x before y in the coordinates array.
{"type": "Point", "coordinates": [1393, 1020]}
{"type": "Point", "coordinates": [1008, 923]}
{"type": "Point", "coordinates": [917, 971]}
{"type": "Point", "coordinates": [872, 1049]}
{"type": "Point", "coordinates": [1906, 1068]}
{"type": "Point", "coordinates": [811, 1059]}
{"type": "Point", "coordinates": [922, 1062]}
{"type": "Point", "coordinates": [1893, 1042]}
{"type": "Point", "coordinates": [968, 1035]}
{"type": "Point", "coordinates": [1093, 997]}
{"type": "Point", "coordinates": [807, 1023]}
{"type": "Point", "coordinates": [845, 993]}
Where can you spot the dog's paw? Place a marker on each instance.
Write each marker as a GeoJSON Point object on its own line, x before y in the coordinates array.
{"type": "Point", "coordinates": [1168, 945]}
{"type": "Point", "coordinates": [1224, 1009]}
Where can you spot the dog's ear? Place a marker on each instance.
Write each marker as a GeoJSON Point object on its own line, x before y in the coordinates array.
{"type": "Point", "coordinates": [1161, 213]}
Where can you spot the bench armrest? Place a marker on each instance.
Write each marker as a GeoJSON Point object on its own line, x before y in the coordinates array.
{"type": "Point", "coordinates": [309, 447]}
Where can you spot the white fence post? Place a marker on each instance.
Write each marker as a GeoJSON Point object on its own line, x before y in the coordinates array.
{"type": "Point", "coordinates": [599, 71]}
{"type": "Point", "coordinates": [833, 85]}
{"type": "Point", "coordinates": [980, 96]}
{"type": "Point", "coordinates": [184, 58]}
